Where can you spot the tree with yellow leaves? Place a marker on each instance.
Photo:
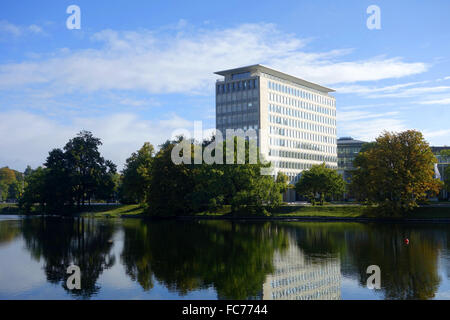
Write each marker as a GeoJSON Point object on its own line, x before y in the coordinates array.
{"type": "Point", "coordinates": [396, 172]}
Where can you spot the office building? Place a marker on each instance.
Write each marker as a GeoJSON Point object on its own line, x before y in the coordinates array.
{"type": "Point", "coordinates": [347, 150]}
{"type": "Point", "coordinates": [295, 119]}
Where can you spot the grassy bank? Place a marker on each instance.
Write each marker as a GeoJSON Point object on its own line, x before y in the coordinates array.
{"type": "Point", "coordinates": [6, 208]}
{"type": "Point", "coordinates": [287, 211]}
{"type": "Point", "coordinates": [114, 211]}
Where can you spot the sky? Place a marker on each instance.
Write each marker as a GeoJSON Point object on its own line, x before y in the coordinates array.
{"type": "Point", "coordinates": [139, 71]}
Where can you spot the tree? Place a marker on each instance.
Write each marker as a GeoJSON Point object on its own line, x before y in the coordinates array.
{"type": "Point", "coordinates": [171, 184]}
{"type": "Point", "coordinates": [11, 184]}
{"type": "Point", "coordinates": [283, 180]}
{"type": "Point", "coordinates": [322, 181]}
{"type": "Point", "coordinates": [187, 188]}
{"type": "Point", "coordinates": [396, 172]}
{"type": "Point", "coordinates": [447, 178]}
{"type": "Point", "coordinates": [35, 190]}
{"type": "Point", "coordinates": [136, 177]}
{"type": "Point", "coordinates": [86, 166]}
{"type": "Point", "coordinates": [7, 175]}
{"type": "Point", "coordinates": [71, 176]}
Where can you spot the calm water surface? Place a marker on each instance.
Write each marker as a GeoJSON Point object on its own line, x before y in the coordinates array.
{"type": "Point", "coordinates": [137, 259]}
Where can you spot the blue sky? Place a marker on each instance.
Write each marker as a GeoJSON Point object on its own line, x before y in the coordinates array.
{"type": "Point", "coordinates": [138, 70]}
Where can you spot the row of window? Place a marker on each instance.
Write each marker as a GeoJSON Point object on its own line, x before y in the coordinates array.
{"type": "Point", "coordinates": [287, 143]}
{"type": "Point", "coordinates": [324, 293]}
{"type": "Point", "coordinates": [248, 106]}
{"type": "Point", "coordinates": [301, 155]}
{"type": "Point", "coordinates": [298, 165]}
{"type": "Point", "coordinates": [238, 97]}
{"type": "Point", "coordinates": [301, 125]}
{"type": "Point", "coordinates": [307, 279]}
{"type": "Point", "coordinates": [301, 104]}
{"type": "Point", "coordinates": [238, 118]}
{"type": "Point", "coordinates": [247, 126]}
{"type": "Point", "coordinates": [301, 114]}
{"type": "Point", "coordinates": [237, 86]}
{"type": "Point", "coordinates": [300, 135]}
{"type": "Point", "coordinates": [325, 269]}
{"type": "Point", "coordinates": [301, 93]}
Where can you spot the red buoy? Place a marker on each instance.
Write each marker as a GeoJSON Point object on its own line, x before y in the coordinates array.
{"type": "Point", "coordinates": [406, 241]}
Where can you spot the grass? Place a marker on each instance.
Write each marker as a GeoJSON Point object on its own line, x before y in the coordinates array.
{"type": "Point", "coordinates": [288, 211]}
{"type": "Point", "coordinates": [219, 212]}
{"type": "Point", "coordinates": [7, 208]}
{"type": "Point", "coordinates": [116, 211]}
{"type": "Point", "coordinates": [344, 211]}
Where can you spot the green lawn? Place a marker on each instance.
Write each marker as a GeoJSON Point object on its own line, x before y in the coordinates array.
{"type": "Point", "coordinates": [114, 211]}
{"type": "Point", "coordinates": [331, 210]}
{"type": "Point", "coordinates": [6, 208]}
{"type": "Point", "coordinates": [346, 211]}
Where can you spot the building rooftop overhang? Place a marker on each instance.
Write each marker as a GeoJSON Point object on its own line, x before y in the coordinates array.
{"type": "Point", "coordinates": [279, 74]}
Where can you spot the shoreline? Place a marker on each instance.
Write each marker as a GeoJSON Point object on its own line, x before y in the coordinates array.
{"type": "Point", "coordinates": [294, 219]}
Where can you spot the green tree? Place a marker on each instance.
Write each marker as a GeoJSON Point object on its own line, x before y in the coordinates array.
{"type": "Point", "coordinates": [188, 188]}
{"type": "Point", "coordinates": [35, 190]}
{"type": "Point", "coordinates": [447, 178]}
{"type": "Point", "coordinates": [396, 172]}
{"type": "Point", "coordinates": [320, 181]}
{"type": "Point", "coordinates": [171, 184]}
{"type": "Point", "coordinates": [71, 176]}
{"type": "Point", "coordinates": [86, 166]}
{"type": "Point", "coordinates": [136, 175]}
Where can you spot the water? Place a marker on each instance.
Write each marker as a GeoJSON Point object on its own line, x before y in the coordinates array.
{"type": "Point", "coordinates": [137, 259]}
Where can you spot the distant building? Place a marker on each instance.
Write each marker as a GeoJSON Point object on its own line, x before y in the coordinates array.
{"type": "Point", "coordinates": [443, 163]}
{"type": "Point", "coordinates": [295, 119]}
{"type": "Point", "coordinates": [347, 150]}
{"type": "Point", "coordinates": [296, 278]}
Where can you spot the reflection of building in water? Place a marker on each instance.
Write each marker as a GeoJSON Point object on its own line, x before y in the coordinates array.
{"type": "Point", "coordinates": [295, 278]}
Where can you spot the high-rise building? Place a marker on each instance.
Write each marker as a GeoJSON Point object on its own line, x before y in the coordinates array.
{"type": "Point", "coordinates": [295, 119]}
{"type": "Point", "coordinates": [347, 150]}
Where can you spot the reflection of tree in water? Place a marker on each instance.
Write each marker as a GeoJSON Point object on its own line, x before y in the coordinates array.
{"type": "Point", "coordinates": [234, 258]}
{"type": "Point", "coordinates": [407, 271]}
{"type": "Point", "coordinates": [9, 230]}
{"type": "Point", "coordinates": [63, 242]}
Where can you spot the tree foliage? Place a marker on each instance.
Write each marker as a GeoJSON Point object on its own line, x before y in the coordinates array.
{"type": "Point", "coordinates": [396, 172]}
{"type": "Point", "coordinates": [186, 188]}
{"type": "Point", "coordinates": [322, 181]}
{"type": "Point", "coordinates": [11, 184]}
{"type": "Point", "coordinates": [136, 176]}
{"type": "Point", "coordinates": [71, 177]}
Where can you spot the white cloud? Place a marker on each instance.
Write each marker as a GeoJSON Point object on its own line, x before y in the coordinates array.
{"type": "Point", "coordinates": [429, 134]}
{"type": "Point", "coordinates": [184, 60]}
{"type": "Point", "coordinates": [412, 92]}
{"type": "Point", "coordinates": [437, 101]}
{"type": "Point", "coordinates": [346, 116]}
{"type": "Point", "coordinates": [367, 125]}
{"type": "Point", "coordinates": [16, 30]}
{"type": "Point", "coordinates": [26, 138]}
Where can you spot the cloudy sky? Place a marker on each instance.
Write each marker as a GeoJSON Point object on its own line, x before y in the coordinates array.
{"type": "Point", "coordinates": [138, 70]}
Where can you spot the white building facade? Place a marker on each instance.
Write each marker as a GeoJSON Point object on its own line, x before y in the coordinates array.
{"type": "Point", "coordinates": [295, 119]}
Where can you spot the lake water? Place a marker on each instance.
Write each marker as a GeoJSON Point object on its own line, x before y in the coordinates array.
{"type": "Point", "coordinates": [138, 259]}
